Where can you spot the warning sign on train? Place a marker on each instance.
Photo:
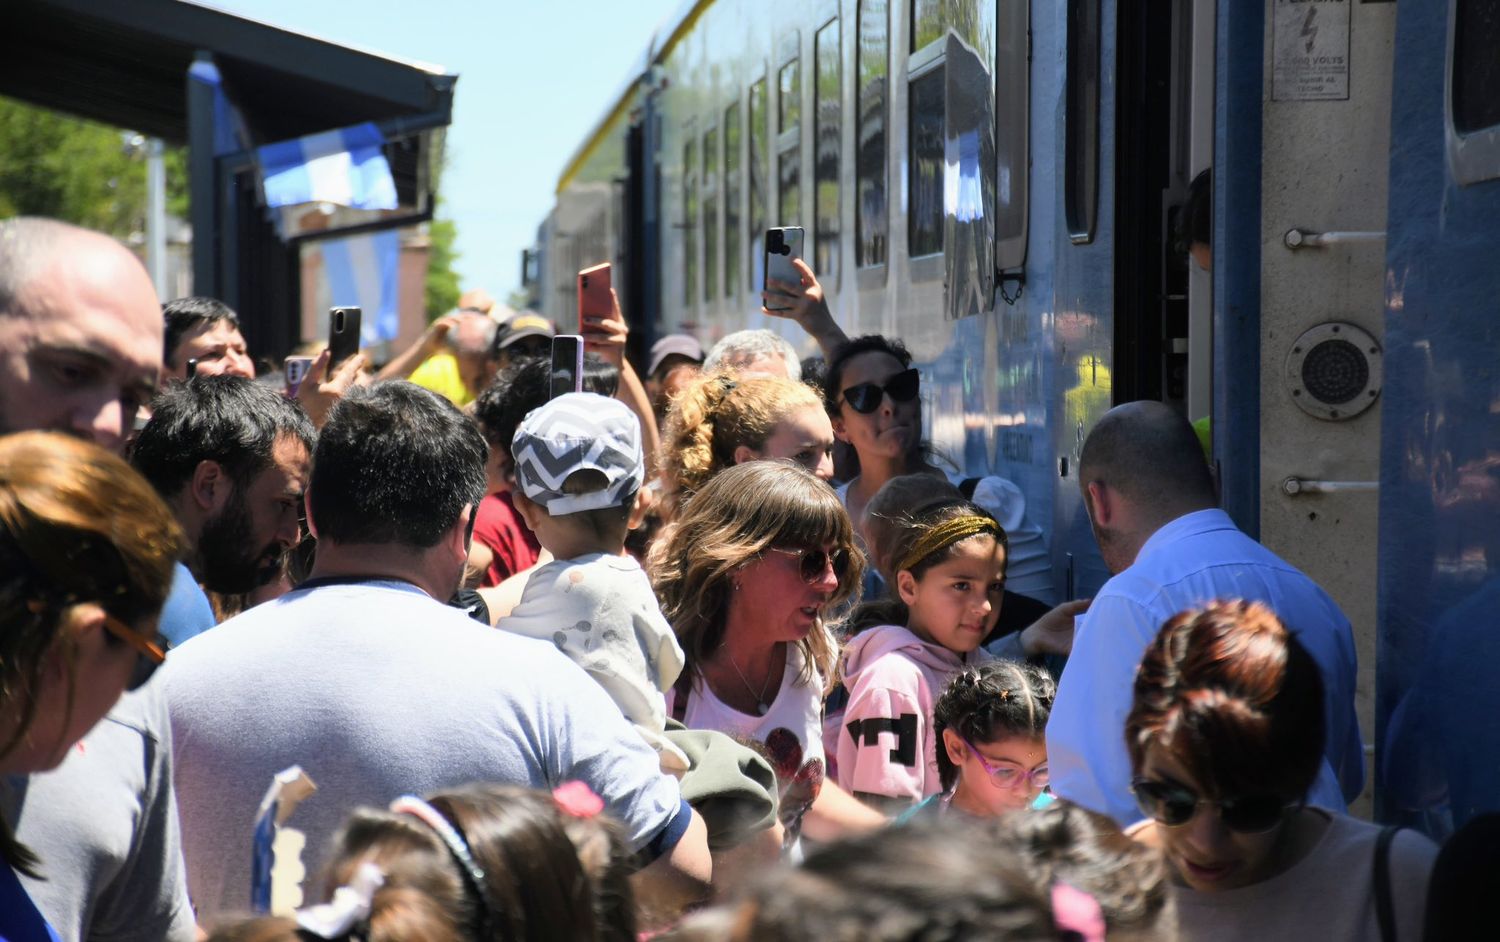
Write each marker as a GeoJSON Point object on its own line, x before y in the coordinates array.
{"type": "Point", "coordinates": [1312, 50]}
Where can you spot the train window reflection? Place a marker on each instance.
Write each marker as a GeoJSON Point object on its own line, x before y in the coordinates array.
{"type": "Point", "coordinates": [689, 223]}
{"type": "Point", "coordinates": [731, 199]}
{"type": "Point", "coordinates": [1012, 119]}
{"type": "Point", "coordinates": [826, 133]}
{"type": "Point", "coordinates": [1476, 65]}
{"type": "Point", "coordinates": [791, 96]}
{"type": "Point", "coordinates": [970, 19]}
{"type": "Point", "coordinates": [759, 169]}
{"type": "Point", "coordinates": [925, 211]}
{"type": "Point", "coordinates": [1081, 191]}
{"type": "Point", "coordinates": [711, 213]}
{"type": "Point", "coordinates": [789, 169]}
{"type": "Point", "coordinates": [870, 155]}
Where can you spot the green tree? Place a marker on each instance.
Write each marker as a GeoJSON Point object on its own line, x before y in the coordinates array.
{"type": "Point", "coordinates": [79, 171]}
{"type": "Point", "coordinates": [441, 290]}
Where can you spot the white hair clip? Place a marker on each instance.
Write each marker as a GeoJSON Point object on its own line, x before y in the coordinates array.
{"type": "Point", "coordinates": [349, 907]}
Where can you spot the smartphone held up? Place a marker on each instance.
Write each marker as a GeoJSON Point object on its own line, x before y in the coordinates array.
{"type": "Point", "coordinates": [783, 244]}
{"type": "Point", "coordinates": [567, 365]}
{"type": "Point", "coordinates": [594, 299]}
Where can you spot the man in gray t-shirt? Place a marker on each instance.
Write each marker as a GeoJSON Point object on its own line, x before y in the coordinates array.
{"type": "Point", "coordinates": [376, 688]}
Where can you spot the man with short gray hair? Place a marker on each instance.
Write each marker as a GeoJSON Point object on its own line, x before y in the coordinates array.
{"type": "Point", "coordinates": [755, 352]}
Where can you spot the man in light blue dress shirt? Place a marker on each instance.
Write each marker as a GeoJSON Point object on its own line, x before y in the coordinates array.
{"type": "Point", "coordinates": [1152, 504]}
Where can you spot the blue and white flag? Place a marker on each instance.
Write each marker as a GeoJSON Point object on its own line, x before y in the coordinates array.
{"type": "Point", "coordinates": [364, 271]}
{"type": "Point", "coordinates": [346, 167]}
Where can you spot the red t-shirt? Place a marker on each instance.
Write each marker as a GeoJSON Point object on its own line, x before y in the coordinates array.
{"type": "Point", "coordinates": [499, 527]}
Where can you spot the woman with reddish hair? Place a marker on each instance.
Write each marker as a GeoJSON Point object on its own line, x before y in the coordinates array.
{"type": "Point", "coordinates": [1225, 738]}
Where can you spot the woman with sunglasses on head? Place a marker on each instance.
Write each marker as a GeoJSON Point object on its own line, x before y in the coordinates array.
{"type": "Point", "coordinates": [746, 574]}
{"type": "Point", "coordinates": [722, 419]}
{"type": "Point", "coordinates": [1225, 738]}
{"type": "Point", "coordinates": [872, 393]}
{"type": "Point", "coordinates": [87, 551]}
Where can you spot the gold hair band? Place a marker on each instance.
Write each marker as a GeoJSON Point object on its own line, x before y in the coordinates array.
{"type": "Point", "coordinates": [946, 534]}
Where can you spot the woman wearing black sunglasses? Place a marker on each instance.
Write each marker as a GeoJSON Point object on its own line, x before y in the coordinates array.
{"type": "Point", "coordinates": [1225, 737]}
{"type": "Point", "coordinates": [87, 551]}
{"type": "Point", "coordinates": [746, 575]}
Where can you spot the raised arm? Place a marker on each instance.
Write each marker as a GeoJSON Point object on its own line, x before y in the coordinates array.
{"type": "Point", "coordinates": [805, 304]}
{"type": "Point", "coordinates": [606, 337]}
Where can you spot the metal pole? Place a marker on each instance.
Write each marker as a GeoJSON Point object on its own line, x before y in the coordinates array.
{"type": "Point", "coordinates": [156, 218]}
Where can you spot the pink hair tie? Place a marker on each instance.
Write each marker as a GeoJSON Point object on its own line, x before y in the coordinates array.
{"type": "Point", "coordinates": [1076, 914]}
{"type": "Point", "coordinates": [577, 799]}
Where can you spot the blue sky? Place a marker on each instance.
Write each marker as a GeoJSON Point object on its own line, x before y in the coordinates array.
{"type": "Point", "coordinates": [534, 77]}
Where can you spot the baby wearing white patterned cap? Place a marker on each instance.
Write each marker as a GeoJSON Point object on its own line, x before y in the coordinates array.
{"type": "Point", "coordinates": [578, 467]}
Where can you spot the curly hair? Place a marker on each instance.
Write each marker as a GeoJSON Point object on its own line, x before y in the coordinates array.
{"type": "Point", "coordinates": [736, 516]}
{"type": "Point", "coordinates": [716, 414]}
{"type": "Point", "coordinates": [1234, 697]}
{"type": "Point", "coordinates": [991, 702]}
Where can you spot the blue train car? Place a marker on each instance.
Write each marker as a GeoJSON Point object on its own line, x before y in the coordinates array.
{"type": "Point", "coordinates": [997, 182]}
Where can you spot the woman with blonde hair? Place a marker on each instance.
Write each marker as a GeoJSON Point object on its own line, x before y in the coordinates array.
{"type": "Point", "coordinates": [746, 575]}
{"type": "Point", "coordinates": [87, 551]}
{"type": "Point", "coordinates": [723, 419]}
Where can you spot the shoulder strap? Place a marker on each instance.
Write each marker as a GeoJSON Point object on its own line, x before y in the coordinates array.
{"type": "Point", "coordinates": [1385, 910]}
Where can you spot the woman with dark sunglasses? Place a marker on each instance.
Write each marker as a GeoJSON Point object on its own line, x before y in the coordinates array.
{"type": "Point", "coordinates": [87, 551]}
{"type": "Point", "coordinates": [1225, 737]}
{"type": "Point", "coordinates": [746, 575]}
{"type": "Point", "coordinates": [872, 393]}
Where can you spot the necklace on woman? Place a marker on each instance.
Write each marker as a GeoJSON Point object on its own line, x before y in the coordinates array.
{"type": "Point", "coordinates": [761, 706]}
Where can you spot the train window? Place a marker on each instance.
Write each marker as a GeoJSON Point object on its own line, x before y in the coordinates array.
{"type": "Point", "coordinates": [758, 175]}
{"type": "Point", "coordinates": [790, 100]}
{"type": "Point", "coordinates": [1081, 143]}
{"type": "Point", "coordinates": [1012, 120]}
{"type": "Point", "coordinates": [689, 223]}
{"type": "Point", "coordinates": [826, 133]}
{"type": "Point", "coordinates": [1476, 65]}
{"type": "Point", "coordinates": [789, 145]}
{"type": "Point", "coordinates": [924, 214]}
{"type": "Point", "coordinates": [731, 200]}
{"type": "Point", "coordinates": [929, 18]}
{"type": "Point", "coordinates": [870, 215]}
{"type": "Point", "coordinates": [711, 213]}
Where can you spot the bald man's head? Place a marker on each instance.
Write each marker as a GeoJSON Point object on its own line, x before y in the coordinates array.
{"type": "Point", "coordinates": [1149, 454]}
{"type": "Point", "coordinates": [80, 331]}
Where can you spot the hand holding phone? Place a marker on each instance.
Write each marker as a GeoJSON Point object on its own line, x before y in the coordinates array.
{"type": "Point", "coordinates": [343, 335]}
{"type": "Point", "coordinates": [567, 365]}
{"type": "Point", "coordinates": [295, 370]}
{"type": "Point", "coordinates": [782, 245]}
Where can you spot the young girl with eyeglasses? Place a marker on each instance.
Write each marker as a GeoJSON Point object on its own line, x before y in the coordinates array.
{"type": "Point", "coordinates": [991, 727]}
{"type": "Point", "coordinates": [948, 562]}
{"type": "Point", "coordinates": [1225, 737]}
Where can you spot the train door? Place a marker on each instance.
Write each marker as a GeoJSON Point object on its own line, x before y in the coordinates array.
{"type": "Point", "coordinates": [1163, 138]}
{"type": "Point", "coordinates": [1325, 148]}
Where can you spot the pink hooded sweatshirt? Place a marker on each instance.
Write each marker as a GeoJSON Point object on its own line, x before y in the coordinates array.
{"type": "Point", "coordinates": [887, 746]}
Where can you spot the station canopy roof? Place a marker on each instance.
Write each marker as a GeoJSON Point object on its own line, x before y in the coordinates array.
{"type": "Point", "coordinates": [125, 63]}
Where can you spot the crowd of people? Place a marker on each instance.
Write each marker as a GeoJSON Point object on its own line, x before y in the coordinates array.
{"type": "Point", "coordinates": [718, 649]}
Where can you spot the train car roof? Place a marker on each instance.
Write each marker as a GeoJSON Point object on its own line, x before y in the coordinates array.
{"type": "Point", "coordinates": [663, 39]}
{"type": "Point", "coordinates": [125, 63]}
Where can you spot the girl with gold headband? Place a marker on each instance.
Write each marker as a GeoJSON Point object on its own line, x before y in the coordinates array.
{"type": "Point", "coordinates": [949, 565]}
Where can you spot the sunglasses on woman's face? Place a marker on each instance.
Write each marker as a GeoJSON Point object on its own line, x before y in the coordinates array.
{"type": "Point", "coordinates": [149, 654]}
{"type": "Point", "coordinates": [812, 563]}
{"type": "Point", "coordinates": [1174, 805]}
{"type": "Point", "coordinates": [903, 387]}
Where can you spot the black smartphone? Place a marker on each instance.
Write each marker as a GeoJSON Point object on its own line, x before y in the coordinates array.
{"type": "Point", "coordinates": [567, 364]}
{"type": "Point", "coordinates": [782, 245]}
{"type": "Point", "coordinates": [343, 335]}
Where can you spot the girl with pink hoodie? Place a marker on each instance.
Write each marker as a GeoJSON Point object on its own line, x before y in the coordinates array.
{"type": "Point", "coordinates": [949, 563]}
